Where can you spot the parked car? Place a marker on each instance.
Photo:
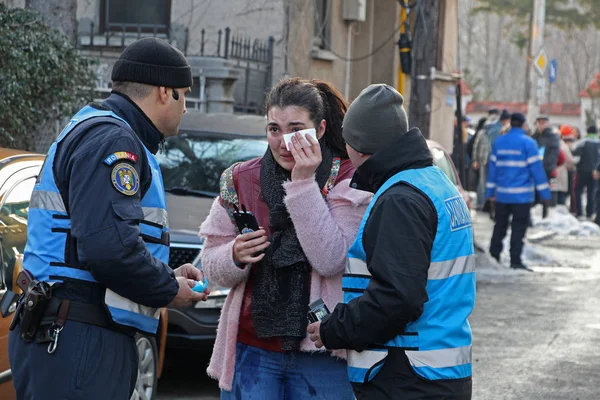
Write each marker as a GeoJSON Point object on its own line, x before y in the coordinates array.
{"type": "Point", "coordinates": [18, 173]}
{"type": "Point", "coordinates": [191, 164]}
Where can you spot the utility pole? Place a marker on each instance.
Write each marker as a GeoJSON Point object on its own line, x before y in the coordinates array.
{"type": "Point", "coordinates": [536, 82]}
{"type": "Point", "coordinates": [425, 42]}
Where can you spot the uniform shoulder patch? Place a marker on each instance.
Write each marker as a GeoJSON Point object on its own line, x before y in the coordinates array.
{"type": "Point", "coordinates": [120, 155]}
{"type": "Point", "coordinates": [125, 179]}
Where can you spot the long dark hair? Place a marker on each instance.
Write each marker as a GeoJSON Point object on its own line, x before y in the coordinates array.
{"type": "Point", "coordinates": [322, 101]}
{"type": "Point", "coordinates": [481, 123]}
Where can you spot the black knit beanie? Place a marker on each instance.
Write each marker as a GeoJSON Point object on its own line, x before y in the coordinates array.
{"type": "Point", "coordinates": [375, 119]}
{"type": "Point", "coordinates": [154, 62]}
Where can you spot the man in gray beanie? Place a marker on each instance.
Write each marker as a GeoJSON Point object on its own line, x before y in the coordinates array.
{"type": "Point", "coordinates": [409, 285]}
{"type": "Point", "coordinates": [97, 232]}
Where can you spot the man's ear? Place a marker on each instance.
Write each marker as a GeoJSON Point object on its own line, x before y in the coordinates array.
{"type": "Point", "coordinates": [163, 94]}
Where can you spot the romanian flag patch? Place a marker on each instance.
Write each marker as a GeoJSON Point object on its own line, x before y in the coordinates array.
{"type": "Point", "coordinates": [120, 155]}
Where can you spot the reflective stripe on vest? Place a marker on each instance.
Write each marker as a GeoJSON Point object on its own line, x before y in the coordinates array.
{"type": "Point", "coordinates": [49, 223]}
{"type": "Point", "coordinates": [438, 344]}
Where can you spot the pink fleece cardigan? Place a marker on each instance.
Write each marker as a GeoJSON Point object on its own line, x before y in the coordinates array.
{"type": "Point", "coordinates": [325, 231]}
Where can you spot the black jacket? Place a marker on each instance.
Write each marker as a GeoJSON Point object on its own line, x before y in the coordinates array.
{"type": "Point", "coordinates": [107, 244]}
{"type": "Point", "coordinates": [551, 144]}
{"type": "Point", "coordinates": [589, 152]}
{"type": "Point", "coordinates": [398, 239]}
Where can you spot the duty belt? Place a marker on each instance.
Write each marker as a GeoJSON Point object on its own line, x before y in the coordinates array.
{"type": "Point", "coordinates": [92, 314]}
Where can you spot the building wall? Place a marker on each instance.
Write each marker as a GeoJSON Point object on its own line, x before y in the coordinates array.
{"type": "Point", "coordinates": [385, 62]}
{"type": "Point", "coordinates": [327, 65]}
{"type": "Point", "coordinates": [306, 61]}
{"type": "Point", "coordinates": [248, 18]}
{"type": "Point", "coordinates": [13, 3]}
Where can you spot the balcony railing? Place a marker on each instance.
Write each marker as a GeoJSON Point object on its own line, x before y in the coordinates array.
{"type": "Point", "coordinates": [226, 45]}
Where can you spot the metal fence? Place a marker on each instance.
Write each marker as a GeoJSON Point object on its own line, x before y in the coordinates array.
{"type": "Point", "coordinates": [253, 57]}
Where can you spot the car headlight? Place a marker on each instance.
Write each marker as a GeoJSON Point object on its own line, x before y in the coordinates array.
{"type": "Point", "coordinates": [216, 299]}
{"type": "Point", "coordinates": [216, 302]}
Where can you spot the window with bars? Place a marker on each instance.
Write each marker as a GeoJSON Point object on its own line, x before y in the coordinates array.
{"type": "Point", "coordinates": [322, 32]}
{"type": "Point", "coordinates": [131, 15]}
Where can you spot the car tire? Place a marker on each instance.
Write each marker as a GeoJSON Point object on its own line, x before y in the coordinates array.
{"type": "Point", "coordinates": [147, 378]}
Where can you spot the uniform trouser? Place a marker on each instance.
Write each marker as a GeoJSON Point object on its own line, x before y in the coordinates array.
{"type": "Point", "coordinates": [572, 197]}
{"type": "Point", "coordinates": [520, 221]}
{"type": "Point", "coordinates": [597, 204]}
{"type": "Point", "coordinates": [481, 186]}
{"type": "Point", "coordinates": [585, 180]}
{"type": "Point", "coordinates": [398, 381]}
{"type": "Point", "coordinates": [90, 363]}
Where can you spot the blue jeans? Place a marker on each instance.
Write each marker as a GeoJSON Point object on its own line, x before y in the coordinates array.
{"type": "Point", "coordinates": [269, 375]}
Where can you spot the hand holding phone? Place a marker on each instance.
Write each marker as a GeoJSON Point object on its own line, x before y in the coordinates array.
{"type": "Point", "coordinates": [246, 221]}
{"type": "Point", "coordinates": [249, 244]}
{"type": "Point", "coordinates": [317, 311]}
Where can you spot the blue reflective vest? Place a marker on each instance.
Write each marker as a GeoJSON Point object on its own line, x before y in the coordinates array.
{"type": "Point", "coordinates": [438, 344]}
{"type": "Point", "coordinates": [49, 226]}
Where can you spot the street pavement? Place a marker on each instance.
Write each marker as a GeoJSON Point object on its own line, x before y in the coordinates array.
{"type": "Point", "coordinates": [536, 335]}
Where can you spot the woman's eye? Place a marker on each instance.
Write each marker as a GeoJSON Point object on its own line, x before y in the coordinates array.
{"type": "Point", "coordinates": [273, 130]}
{"type": "Point", "coordinates": [296, 129]}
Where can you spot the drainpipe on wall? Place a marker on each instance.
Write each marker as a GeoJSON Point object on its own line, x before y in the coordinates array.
{"type": "Point", "coordinates": [348, 55]}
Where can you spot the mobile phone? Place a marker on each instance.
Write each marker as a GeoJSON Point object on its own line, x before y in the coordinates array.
{"type": "Point", "coordinates": [318, 311]}
{"type": "Point", "coordinates": [246, 221]}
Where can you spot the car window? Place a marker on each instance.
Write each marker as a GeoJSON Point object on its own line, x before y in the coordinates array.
{"type": "Point", "coordinates": [196, 162]}
{"type": "Point", "coordinates": [444, 163]}
{"type": "Point", "coordinates": [13, 226]}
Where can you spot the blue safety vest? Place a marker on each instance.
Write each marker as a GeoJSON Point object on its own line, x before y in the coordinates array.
{"type": "Point", "coordinates": [49, 226]}
{"type": "Point", "coordinates": [438, 344]}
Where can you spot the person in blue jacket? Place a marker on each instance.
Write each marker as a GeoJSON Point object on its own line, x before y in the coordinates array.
{"type": "Point", "coordinates": [98, 234]}
{"type": "Point", "coordinates": [515, 173]}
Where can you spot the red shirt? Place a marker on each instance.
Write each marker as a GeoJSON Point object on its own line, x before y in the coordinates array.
{"type": "Point", "coordinates": [246, 333]}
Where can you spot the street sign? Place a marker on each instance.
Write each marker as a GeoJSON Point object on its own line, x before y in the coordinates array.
{"type": "Point", "coordinates": [552, 71]}
{"type": "Point", "coordinates": [541, 62]}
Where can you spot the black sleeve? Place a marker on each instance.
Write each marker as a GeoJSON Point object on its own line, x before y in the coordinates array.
{"type": "Point", "coordinates": [470, 145]}
{"type": "Point", "coordinates": [551, 154]}
{"type": "Point", "coordinates": [398, 239]}
{"type": "Point", "coordinates": [105, 221]}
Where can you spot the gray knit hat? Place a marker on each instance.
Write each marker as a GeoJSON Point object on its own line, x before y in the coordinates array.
{"type": "Point", "coordinates": [375, 119]}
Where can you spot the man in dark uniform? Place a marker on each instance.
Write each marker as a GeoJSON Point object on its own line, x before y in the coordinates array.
{"type": "Point", "coordinates": [98, 235]}
{"type": "Point", "coordinates": [588, 151]}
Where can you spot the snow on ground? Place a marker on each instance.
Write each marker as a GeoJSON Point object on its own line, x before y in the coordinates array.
{"type": "Point", "coordinates": [561, 221]}
{"type": "Point", "coordinates": [560, 225]}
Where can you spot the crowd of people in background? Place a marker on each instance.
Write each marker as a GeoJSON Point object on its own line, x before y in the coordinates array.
{"type": "Point", "coordinates": [571, 161]}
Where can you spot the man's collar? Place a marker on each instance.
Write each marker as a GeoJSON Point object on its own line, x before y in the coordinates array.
{"type": "Point", "coordinates": [127, 109]}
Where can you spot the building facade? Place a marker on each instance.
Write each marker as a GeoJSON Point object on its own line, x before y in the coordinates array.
{"type": "Point", "coordinates": [350, 43]}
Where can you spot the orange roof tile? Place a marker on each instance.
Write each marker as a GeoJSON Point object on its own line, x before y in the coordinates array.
{"type": "Point", "coordinates": [592, 87]}
{"type": "Point", "coordinates": [521, 107]}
